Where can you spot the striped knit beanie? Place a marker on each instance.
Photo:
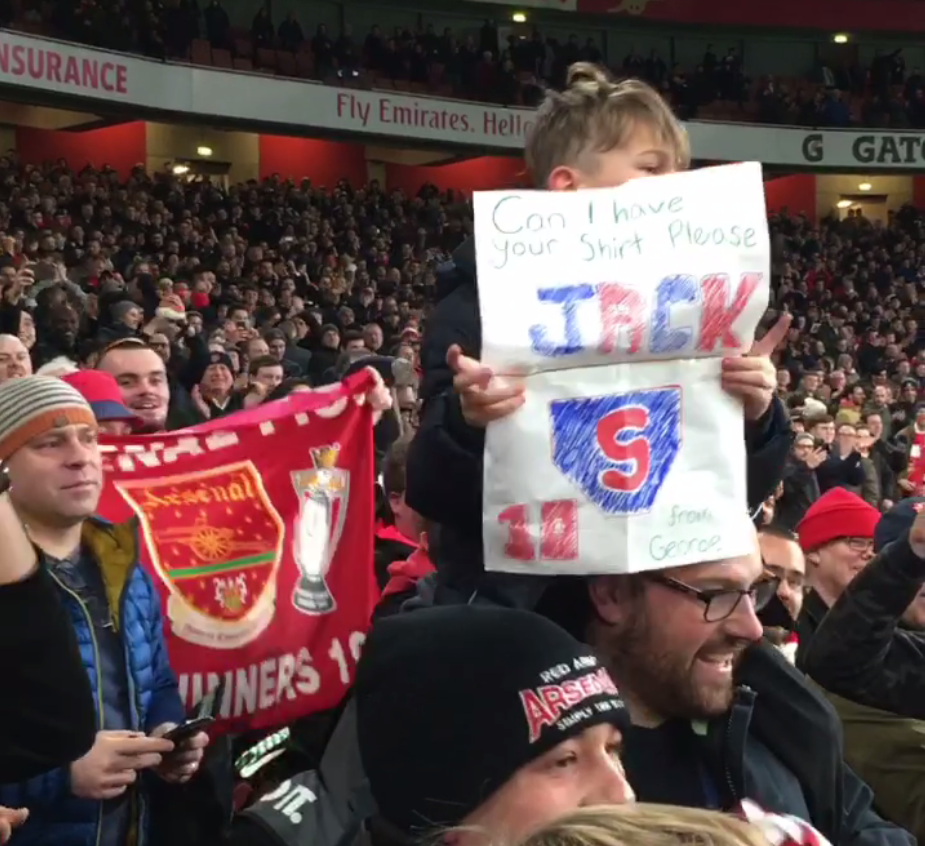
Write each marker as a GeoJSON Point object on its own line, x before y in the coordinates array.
{"type": "Point", "coordinates": [32, 405]}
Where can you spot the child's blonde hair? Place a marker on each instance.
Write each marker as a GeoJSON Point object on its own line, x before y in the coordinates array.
{"type": "Point", "coordinates": [646, 825]}
{"type": "Point", "coordinates": [595, 114]}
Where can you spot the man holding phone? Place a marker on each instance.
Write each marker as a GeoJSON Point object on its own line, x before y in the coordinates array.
{"type": "Point", "coordinates": [48, 443]}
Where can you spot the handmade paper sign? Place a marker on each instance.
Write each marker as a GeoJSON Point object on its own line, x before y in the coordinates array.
{"type": "Point", "coordinates": [618, 306]}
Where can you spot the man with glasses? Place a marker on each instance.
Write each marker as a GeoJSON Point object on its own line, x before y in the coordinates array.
{"type": "Point", "coordinates": [674, 636]}
{"type": "Point", "coordinates": [837, 536]}
{"type": "Point", "coordinates": [783, 561]}
{"type": "Point", "coordinates": [717, 714]}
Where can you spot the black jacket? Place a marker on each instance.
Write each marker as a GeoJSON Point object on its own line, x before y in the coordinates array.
{"type": "Point", "coordinates": [837, 472]}
{"type": "Point", "coordinates": [889, 461]}
{"type": "Point", "coordinates": [447, 448]}
{"type": "Point", "coordinates": [811, 616]}
{"type": "Point", "coordinates": [858, 650]}
{"type": "Point", "coordinates": [801, 490]}
{"type": "Point", "coordinates": [47, 716]}
{"type": "Point", "coordinates": [779, 745]}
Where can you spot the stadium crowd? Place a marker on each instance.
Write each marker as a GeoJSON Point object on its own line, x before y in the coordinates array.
{"type": "Point", "coordinates": [483, 67]}
{"type": "Point", "coordinates": [162, 302]}
{"type": "Point", "coordinates": [287, 281]}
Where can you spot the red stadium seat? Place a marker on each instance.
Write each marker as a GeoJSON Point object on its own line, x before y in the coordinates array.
{"type": "Point", "coordinates": [201, 52]}
{"type": "Point", "coordinates": [266, 59]}
{"type": "Point", "coordinates": [221, 58]}
{"type": "Point", "coordinates": [305, 65]}
{"type": "Point", "coordinates": [286, 63]}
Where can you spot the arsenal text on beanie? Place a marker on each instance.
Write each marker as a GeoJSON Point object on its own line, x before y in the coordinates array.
{"type": "Point", "coordinates": [452, 701]}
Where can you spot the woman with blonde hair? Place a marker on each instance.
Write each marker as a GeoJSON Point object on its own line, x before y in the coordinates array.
{"type": "Point", "coordinates": [669, 825]}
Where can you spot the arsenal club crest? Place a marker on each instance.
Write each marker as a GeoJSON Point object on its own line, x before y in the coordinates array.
{"type": "Point", "coordinates": [323, 493]}
{"type": "Point", "coordinates": [216, 540]}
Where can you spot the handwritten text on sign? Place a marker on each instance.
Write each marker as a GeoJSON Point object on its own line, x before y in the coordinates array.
{"type": "Point", "coordinates": [619, 305]}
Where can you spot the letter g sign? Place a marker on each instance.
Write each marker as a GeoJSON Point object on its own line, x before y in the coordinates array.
{"type": "Point", "coordinates": [813, 147]}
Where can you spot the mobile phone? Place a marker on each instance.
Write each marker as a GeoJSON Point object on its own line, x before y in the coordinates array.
{"type": "Point", "coordinates": [186, 730]}
{"type": "Point", "coordinates": [205, 714]}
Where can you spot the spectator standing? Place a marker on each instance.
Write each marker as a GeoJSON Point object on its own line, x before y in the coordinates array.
{"type": "Point", "coordinates": [513, 769]}
{"type": "Point", "coordinates": [47, 718]}
{"type": "Point", "coordinates": [48, 438]}
{"type": "Point", "coordinates": [290, 33]}
{"type": "Point", "coordinates": [323, 50]}
{"type": "Point", "coordinates": [760, 730]}
{"type": "Point", "coordinates": [262, 29]}
{"type": "Point", "coordinates": [102, 392]}
{"type": "Point", "coordinates": [836, 534]}
{"type": "Point", "coordinates": [889, 459]}
{"type": "Point", "coordinates": [879, 404]}
{"type": "Point", "coordinates": [460, 396]}
{"type": "Point", "coordinates": [871, 492]}
{"type": "Point", "coordinates": [842, 465]}
{"type": "Point", "coordinates": [783, 560]}
{"type": "Point", "coordinates": [215, 396]}
{"type": "Point", "coordinates": [142, 377]}
{"type": "Point", "coordinates": [868, 654]}
{"type": "Point", "coordinates": [399, 527]}
{"type": "Point", "coordinates": [266, 370]}
{"type": "Point", "coordinates": [801, 486]}
{"type": "Point", "coordinates": [217, 24]}
{"type": "Point", "coordinates": [491, 788]}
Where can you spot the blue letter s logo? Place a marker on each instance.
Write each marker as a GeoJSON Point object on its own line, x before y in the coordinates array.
{"type": "Point", "coordinates": [618, 449]}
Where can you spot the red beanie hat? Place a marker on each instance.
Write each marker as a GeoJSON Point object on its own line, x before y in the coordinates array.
{"type": "Point", "coordinates": [836, 514]}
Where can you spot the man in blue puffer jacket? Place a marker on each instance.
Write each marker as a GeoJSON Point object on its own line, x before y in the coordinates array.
{"type": "Point", "coordinates": [48, 442]}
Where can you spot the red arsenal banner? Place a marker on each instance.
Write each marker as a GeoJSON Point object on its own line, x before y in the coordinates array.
{"type": "Point", "coordinates": [827, 15]}
{"type": "Point", "coordinates": [258, 529]}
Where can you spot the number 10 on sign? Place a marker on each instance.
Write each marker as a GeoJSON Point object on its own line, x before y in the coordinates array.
{"type": "Point", "coordinates": [556, 524]}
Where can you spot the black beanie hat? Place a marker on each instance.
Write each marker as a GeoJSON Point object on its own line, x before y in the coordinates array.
{"type": "Point", "coordinates": [452, 701]}
{"type": "Point", "coordinates": [223, 359]}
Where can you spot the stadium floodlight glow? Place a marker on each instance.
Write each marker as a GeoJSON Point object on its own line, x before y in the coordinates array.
{"type": "Point", "coordinates": [203, 151]}
{"type": "Point", "coordinates": [865, 186]}
{"type": "Point", "coordinates": [840, 38]}
{"type": "Point", "coordinates": [519, 18]}
{"type": "Point", "coordinates": [179, 170]}
{"type": "Point", "coordinates": [845, 204]}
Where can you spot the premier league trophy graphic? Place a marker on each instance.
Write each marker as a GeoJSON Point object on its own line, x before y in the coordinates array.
{"type": "Point", "coordinates": [322, 493]}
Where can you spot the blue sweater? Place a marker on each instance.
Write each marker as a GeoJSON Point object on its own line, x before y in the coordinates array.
{"type": "Point", "coordinates": [57, 816]}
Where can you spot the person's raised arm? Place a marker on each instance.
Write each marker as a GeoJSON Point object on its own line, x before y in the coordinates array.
{"type": "Point", "coordinates": [857, 651]}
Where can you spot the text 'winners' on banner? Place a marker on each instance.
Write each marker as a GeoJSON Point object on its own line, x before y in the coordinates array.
{"type": "Point", "coordinates": [618, 305]}
{"type": "Point", "coordinates": [257, 530]}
